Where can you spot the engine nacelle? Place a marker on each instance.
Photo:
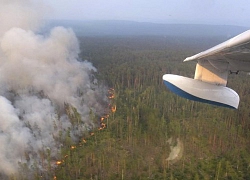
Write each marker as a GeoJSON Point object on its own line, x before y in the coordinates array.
{"type": "Point", "coordinates": [201, 91]}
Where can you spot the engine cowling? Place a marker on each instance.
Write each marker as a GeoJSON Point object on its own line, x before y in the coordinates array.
{"type": "Point", "coordinates": [202, 91]}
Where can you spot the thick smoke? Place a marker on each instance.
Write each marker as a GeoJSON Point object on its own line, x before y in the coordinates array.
{"type": "Point", "coordinates": [41, 79]}
{"type": "Point", "coordinates": [21, 13]}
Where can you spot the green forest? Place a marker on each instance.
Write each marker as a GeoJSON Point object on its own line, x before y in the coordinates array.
{"type": "Point", "coordinates": [145, 122]}
{"type": "Point", "coordinates": [149, 119]}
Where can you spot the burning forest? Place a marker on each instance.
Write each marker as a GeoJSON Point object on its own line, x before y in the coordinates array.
{"type": "Point", "coordinates": [46, 92]}
{"type": "Point", "coordinates": [102, 125]}
{"type": "Point", "coordinates": [57, 122]}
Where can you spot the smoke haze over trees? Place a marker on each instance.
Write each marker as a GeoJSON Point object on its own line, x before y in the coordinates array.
{"type": "Point", "coordinates": [39, 76]}
{"type": "Point", "coordinates": [132, 28]}
{"type": "Point", "coordinates": [50, 100]}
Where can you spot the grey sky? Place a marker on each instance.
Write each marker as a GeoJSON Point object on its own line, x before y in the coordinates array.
{"type": "Point", "coordinates": [235, 12]}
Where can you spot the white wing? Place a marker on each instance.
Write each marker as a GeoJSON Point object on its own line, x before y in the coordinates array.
{"type": "Point", "coordinates": [211, 73]}
{"type": "Point", "coordinates": [215, 63]}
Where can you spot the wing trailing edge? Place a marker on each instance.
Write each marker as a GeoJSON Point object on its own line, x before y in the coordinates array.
{"type": "Point", "coordinates": [227, 46]}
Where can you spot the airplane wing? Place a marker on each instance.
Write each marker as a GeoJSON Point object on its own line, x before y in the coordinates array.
{"type": "Point", "coordinates": [212, 69]}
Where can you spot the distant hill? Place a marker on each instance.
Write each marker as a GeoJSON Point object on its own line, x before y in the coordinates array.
{"type": "Point", "coordinates": [131, 28]}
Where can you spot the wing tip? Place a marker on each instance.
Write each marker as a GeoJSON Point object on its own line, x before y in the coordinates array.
{"type": "Point", "coordinates": [191, 58]}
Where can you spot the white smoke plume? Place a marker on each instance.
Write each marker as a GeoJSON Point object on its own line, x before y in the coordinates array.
{"type": "Point", "coordinates": [40, 75]}
{"type": "Point", "coordinates": [24, 14]}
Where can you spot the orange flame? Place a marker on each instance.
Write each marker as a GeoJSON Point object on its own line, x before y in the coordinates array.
{"type": "Point", "coordinates": [111, 93]}
{"type": "Point", "coordinates": [113, 109]}
{"type": "Point", "coordinates": [112, 96]}
{"type": "Point", "coordinates": [92, 134]}
{"type": "Point", "coordinates": [103, 125]}
{"type": "Point", "coordinates": [58, 162]}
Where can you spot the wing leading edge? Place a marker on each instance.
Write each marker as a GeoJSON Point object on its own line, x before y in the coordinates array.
{"type": "Point", "coordinates": [212, 69]}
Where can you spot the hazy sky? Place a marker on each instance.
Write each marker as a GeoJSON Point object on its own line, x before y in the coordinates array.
{"type": "Point", "coordinates": [236, 12]}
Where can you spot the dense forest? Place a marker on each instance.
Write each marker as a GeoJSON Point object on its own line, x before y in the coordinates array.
{"type": "Point", "coordinates": [148, 120]}
{"type": "Point", "coordinates": [149, 132]}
